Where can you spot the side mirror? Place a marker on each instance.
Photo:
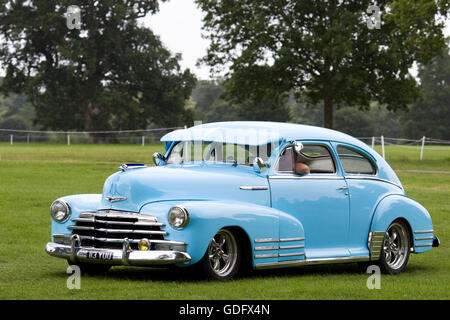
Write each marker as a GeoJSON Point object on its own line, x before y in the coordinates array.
{"type": "Point", "coordinates": [159, 159]}
{"type": "Point", "coordinates": [259, 164]}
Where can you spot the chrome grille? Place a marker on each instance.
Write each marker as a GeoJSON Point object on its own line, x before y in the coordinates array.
{"type": "Point", "coordinates": [108, 228]}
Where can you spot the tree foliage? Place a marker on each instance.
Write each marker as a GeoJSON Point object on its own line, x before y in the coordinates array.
{"type": "Point", "coordinates": [212, 105]}
{"type": "Point", "coordinates": [110, 73]}
{"type": "Point", "coordinates": [322, 50]}
{"type": "Point", "coordinates": [430, 116]}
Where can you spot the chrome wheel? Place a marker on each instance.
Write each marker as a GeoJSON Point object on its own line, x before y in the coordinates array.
{"type": "Point", "coordinates": [396, 246]}
{"type": "Point", "coordinates": [222, 253]}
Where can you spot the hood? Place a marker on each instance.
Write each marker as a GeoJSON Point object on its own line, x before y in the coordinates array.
{"type": "Point", "coordinates": [132, 189]}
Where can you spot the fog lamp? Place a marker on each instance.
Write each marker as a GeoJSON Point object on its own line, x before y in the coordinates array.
{"type": "Point", "coordinates": [144, 245]}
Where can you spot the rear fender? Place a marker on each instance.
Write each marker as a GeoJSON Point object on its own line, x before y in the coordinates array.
{"type": "Point", "coordinates": [395, 207]}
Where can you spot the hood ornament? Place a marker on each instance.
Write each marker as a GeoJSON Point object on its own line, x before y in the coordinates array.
{"type": "Point", "coordinates": [128, 166]}
{"type": "Point", "coordinates": [115, 199]}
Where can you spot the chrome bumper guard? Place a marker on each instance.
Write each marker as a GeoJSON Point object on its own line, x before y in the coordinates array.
{"type": "Point", "coordinates": [77, 253]}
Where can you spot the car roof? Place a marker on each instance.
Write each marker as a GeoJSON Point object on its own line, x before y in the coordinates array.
{"type": "Point", "coordinates": [263, 132]}
{"type": "Point", "coordinates": [258, 133]}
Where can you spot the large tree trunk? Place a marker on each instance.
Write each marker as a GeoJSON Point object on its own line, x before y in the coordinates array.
{"type": "Point", "coordinates": [328, 112]}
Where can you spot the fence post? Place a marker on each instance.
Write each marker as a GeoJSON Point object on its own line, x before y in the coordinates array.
{"type": "Point", "coordinates": [373, 142]}
{"type": "Point", "coordinates": [421, 150]}
{"type": "Point", "coordinates": [382, 147]}
{"type": "Point", "coordinates": [28, 138]}
{"type": "Point", "coordinates": [11, 139]}
{"type": "Point", "coordinates": [68, 140]}
{"type": "Point", "coordinates": [143, 140]}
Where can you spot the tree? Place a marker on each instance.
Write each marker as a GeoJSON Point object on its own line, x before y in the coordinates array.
{"type": "Point", "coordinates": [430, 116]}
{"type": "Point", "coordinates": [109, 73]}
{"type": "Point", "coordinates": [322, 50]}
{"type": "Point", "coordinates": [354, 122]}
{"type": "Point", "coordinates": [212, 105]}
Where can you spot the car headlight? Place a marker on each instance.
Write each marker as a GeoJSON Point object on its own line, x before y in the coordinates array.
{"type": "Point", "coordinates": [59, 210]}
{"type": "Point", "coordinates": [178, 217]}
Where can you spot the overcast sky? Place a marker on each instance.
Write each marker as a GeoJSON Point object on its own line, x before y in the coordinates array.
{"type": "Point", "coordinates": [179, 24]}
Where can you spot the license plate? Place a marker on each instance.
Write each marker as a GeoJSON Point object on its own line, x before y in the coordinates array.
{"type": "Point", "coordinates": [100, 255]}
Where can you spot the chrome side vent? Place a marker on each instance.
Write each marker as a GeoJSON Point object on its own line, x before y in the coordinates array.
{"type": "Point", "coordinates": [374, 243]}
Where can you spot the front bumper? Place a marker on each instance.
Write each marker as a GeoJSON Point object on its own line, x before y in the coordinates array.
{"type": "Point", "coordinates": [75, 253]}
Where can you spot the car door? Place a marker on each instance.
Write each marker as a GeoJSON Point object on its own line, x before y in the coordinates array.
{"type": "Point", "coordinates": [319, 200]}
{"type": "Point", "coordinates": [366, 191]}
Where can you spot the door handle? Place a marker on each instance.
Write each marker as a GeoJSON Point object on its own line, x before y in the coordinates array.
{"type": "Point", "coordinates": [343, 188]}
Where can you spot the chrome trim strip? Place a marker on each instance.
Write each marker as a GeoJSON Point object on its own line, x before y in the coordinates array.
{"type": "Point", "coordinates": [254, 188]}
{"type": "Point", "coordinates": [105, 230]}
{"type": "Point", "coordinates": [310, 176]}
{"type": "Point", "coordinates": [262, 256]}
{"type": "Point", "coordinates": [294, 254]}
{"type": "Point", "coordinates": [337, 260]}
{"type": "Point", "coordinates": [115, 199]}
{"type": "Point", "coordinates": [292, 247]}
{"type": "Point", "coordinates": [265, 248]}
{"type": "Point", "coordinates": [266, 240]}
{"type": "Point", "coordinates": [425, 238]}
{"type": "Point", "coordinates": [123, 223]}
{"type": "Point", "coordinates": [373, 178]}
{"type": "Point", "coordinates": [295, 263]}
{"type": "Point", "coordinates": [119, 214]}
{"type": "Point", "coordinates": [291, 239]}
{"type": "Point", "coordinates": [424, 231]}
{"type": "Point", "coordinates": [117, 240]}
{"type": "Point", "coordinates": [424, 245]}
{"type": "Point", "coordinates": [277, 248]}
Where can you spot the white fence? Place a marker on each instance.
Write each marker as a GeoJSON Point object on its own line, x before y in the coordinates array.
{"type": "Point", "coordinates": [153, 135]}
{"type": "Point", "coordinates": [439, 145]}
{"type": "Point", "coordinates": [142, 137]}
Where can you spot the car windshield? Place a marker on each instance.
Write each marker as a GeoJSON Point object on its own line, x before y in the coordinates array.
{"type": "Point", "coordinates": [188, 151]}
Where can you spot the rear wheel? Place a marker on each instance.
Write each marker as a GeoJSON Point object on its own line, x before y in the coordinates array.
{"type": "Point", "coordinates": [395, 248]}
{"type": "Point", "coordinates": [223, 256]}
{"type": "Point", "coordinates": [91, 268]}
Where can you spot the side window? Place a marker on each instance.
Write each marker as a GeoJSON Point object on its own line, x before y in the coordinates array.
{"type": "Point", "coordinates": [355, 162]}
{"type": "Point", "coordinates": [317, 158]}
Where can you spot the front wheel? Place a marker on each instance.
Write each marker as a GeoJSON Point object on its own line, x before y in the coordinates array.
{"type": "Point", "coordinates": [395, 248]}
{"type": "Point", "coordinates": [223, 256]}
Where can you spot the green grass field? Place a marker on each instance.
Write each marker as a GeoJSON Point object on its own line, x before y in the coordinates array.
{"type": "Point", "coordinates": [33, 175]}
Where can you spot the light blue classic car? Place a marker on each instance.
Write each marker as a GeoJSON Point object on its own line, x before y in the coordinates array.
{"type": "Point", "coordinates": [231, 195]}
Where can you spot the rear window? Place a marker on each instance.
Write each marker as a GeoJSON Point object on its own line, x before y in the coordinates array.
{"type": "Point", "coordinates": [354, 162]}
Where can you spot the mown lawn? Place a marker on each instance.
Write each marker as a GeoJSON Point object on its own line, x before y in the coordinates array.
{"type": "Point", "coordinates": [33, 175]}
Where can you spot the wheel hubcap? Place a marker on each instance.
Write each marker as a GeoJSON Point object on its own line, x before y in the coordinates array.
{"type": "Point", "coordinates": [222, 253]}
{"type": "Point", "coordinates": [395, 246]}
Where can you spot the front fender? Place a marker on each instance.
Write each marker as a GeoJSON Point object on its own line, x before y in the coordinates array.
{"type": "Point", "coordinates": [395, 207]}
{"type": "Point", "coordinates": [78, 203]}
{"type": "Point", "coordinates": [208, 217]}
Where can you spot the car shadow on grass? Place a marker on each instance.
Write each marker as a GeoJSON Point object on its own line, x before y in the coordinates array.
{"type": "Point", "coordinates": [191, 275]}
